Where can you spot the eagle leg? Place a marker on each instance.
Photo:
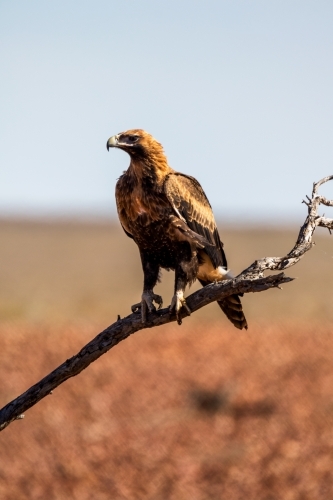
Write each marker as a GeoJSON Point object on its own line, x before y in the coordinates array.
{"type": "Point", "coordinates": [177, 303]}
{"type": "Point", "coordinates": [147, 302]}
{"type": "Point", "coordinates": [151, 269]}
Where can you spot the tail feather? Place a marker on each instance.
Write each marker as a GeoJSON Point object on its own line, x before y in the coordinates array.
{"type": "Point", "coordinates": [232, 308]}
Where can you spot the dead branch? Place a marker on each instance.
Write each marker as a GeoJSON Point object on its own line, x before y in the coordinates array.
{"type": "Point", "coordinates": [252, 279]}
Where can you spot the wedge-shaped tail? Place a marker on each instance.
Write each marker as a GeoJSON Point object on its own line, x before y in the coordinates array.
{"type": "Point", "coordinates": [232, 308]}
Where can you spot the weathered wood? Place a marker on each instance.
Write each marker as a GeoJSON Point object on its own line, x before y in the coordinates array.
{"type": "Point", "coordinates": [250, 280]}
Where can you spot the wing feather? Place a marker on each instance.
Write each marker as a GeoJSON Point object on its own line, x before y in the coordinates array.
{"type": "Point", "coordinates": [190, 203]}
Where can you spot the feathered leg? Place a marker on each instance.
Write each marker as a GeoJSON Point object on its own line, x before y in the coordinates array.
{"type": "Point", "coordinates": [178, 301]}
{"type": "Point", "coordinates": [150, 271]}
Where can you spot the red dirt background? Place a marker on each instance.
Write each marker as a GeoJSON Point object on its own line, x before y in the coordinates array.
{"type": "Point", "coordinates": [194, 412]}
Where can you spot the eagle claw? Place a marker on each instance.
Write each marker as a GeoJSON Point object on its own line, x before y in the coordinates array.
{"type": "Point", "coordinates": [147, 299]}
{"type": "Point", "coordinates": [178, 302]}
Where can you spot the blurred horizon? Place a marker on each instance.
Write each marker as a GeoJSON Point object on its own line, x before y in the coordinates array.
{"type": "Point", "coordinates": [67, 270]}
{"type": "Point", "coordinates": [91, 218]}
{"type": "Point", "coordinates": [238, 93]}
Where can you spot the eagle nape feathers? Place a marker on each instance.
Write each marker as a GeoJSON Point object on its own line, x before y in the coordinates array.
{"type": "Point", "coordinates": [169, 217]}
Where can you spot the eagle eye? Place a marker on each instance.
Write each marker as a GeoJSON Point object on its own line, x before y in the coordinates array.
{"type": "Point", "coordinates": [132, 138]}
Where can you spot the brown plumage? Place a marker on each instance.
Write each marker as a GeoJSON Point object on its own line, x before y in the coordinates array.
{"type": "Point", "coordinates": [169, 217]}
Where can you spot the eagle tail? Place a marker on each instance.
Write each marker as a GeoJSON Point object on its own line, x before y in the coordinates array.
{"type": "Point", "coordinates": [232, 308]}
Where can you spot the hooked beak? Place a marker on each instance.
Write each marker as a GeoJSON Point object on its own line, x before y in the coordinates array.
{"type": "Point", "coordinates": [112, 142]}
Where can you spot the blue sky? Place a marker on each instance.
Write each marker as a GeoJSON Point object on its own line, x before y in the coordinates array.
{"type": "Point", "coordinates": [240, 93]}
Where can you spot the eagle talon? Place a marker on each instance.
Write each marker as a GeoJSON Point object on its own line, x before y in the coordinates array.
{"type": "Point", "coordinates": [135, 308]}
{"type": "Point", "coordinates": [147, 299]}
{"type": "Point", "coordinates": [177, 304]}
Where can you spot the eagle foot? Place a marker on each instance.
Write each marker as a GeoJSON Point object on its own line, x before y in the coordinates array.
{"type": "Point", "coordinates": [147, 299]}
{"type": "Point", "coordinates": [177, 303]}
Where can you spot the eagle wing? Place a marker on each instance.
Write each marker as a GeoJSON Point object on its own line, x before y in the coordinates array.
{"type": "Point", "coordinates": [191, 205]}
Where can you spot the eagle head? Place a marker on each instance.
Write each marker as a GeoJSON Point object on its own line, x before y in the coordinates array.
{"type": "Point", "coordinates": [136, 142]}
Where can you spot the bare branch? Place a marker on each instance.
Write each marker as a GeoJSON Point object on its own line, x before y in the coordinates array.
{"type": "Point", "coordinates": [304, 240]}
{"type": "Point", "coordinates": [252, 279]}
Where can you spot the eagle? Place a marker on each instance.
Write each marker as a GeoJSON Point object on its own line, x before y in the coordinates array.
{"type": "Point", "coordinates": [169, 217]}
